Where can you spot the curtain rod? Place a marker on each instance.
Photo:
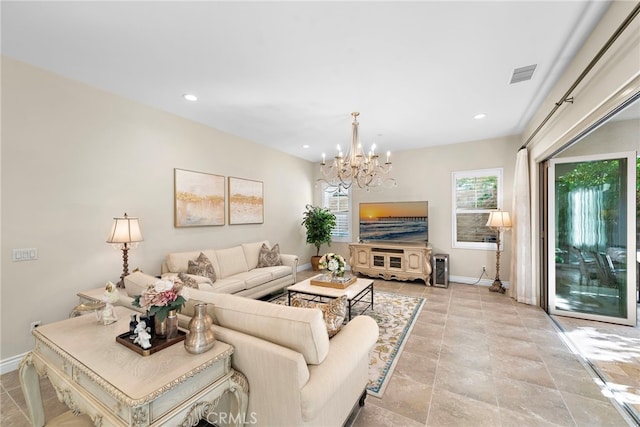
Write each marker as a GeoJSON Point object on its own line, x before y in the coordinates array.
{"type": "Point", "coordinates": [594, 61]}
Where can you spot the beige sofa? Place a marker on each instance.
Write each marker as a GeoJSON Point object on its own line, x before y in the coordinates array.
{"type": "Point", "coordinates": [236, 270]}
{"type": "Point", "coordinates": [297, 375]}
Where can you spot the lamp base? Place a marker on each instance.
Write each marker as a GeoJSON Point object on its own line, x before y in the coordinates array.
{"type": "Point", "coordinates": [497, 286]}
{"type": "Point", "coordinates": [120, 283]}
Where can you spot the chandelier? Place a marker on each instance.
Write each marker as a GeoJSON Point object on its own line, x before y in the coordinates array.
{"type": "Point", "coordinates": [365, 171]}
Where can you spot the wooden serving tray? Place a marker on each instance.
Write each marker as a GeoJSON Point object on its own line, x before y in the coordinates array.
{"type": "Point", "coordinates": [157, 344]}
{"type": "Point", "coordinates": [337, 285]}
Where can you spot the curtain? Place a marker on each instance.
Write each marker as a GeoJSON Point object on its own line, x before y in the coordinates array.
{"type": "Point", "coordinates": [522, 288]}
{"type": "Point", "coordinates": [586, 229]}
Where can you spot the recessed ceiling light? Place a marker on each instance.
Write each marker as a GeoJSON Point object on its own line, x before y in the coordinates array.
{"type": "Point", "coordinates": [480, 116]}
{"type": "Point", "coordinates": [190, 97]}
{"type": "Point", "coordinates": [305, 146]}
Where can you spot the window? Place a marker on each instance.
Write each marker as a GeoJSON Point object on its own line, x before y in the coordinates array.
{"type": "Point", "coordinates": [339, 202]}
{"type": "Point", "coordinates": [475, 194]}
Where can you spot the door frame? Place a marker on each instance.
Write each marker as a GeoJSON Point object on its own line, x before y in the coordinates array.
{"type": "Point", "coordinates": [550, 235]}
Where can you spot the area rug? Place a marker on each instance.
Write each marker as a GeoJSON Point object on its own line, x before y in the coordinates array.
{"type": "Point", "coordinates": [395, 314]}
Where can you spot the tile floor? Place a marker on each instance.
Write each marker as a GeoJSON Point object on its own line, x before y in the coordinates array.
{"type": "Point", "coordinates": [612, 352]}
{"type": "Point", "coordinates": [474, 358]}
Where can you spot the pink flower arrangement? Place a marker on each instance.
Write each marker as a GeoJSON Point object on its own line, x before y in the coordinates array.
{"type": "Point", "coordinates": [161, 297]}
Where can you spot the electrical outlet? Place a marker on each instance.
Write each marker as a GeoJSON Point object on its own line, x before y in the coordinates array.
{"type": "Point", "coordinates": [484, 268]}
{"type": "Point", "coordinates": [35, 324]}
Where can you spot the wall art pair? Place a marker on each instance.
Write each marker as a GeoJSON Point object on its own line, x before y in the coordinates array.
{"type": "Point", "coordinates": [199, 199]}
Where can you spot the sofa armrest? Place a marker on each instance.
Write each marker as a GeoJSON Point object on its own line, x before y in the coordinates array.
{"type": "Point", "coordinates": [275, 375]}
{"type": "Point", "coordinates": [345, 370]}
{"type": "Point", "coordinates": [291, 261]}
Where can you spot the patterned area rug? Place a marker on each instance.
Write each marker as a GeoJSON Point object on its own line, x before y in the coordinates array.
{"type": "Point", "coordinates": [395, 314]}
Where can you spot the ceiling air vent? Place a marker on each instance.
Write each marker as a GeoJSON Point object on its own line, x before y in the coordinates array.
{"type": "Point", "coordinates": [522, 74]}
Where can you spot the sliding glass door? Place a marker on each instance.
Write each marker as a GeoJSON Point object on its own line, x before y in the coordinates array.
{"type": "Point", "coordinates": [591, 237]}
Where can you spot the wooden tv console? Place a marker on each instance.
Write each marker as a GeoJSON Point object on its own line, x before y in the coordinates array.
{"type": "Point", "coordinates": [391, 261]}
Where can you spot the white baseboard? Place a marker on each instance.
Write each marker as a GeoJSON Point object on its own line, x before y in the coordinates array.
{"type": "Point", "coordinates": [11, 364]}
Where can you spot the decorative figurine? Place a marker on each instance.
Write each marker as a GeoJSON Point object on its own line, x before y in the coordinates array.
{"type": "Point", "coordinates": [107, 316]}
{"type": "Point", "coordinates": [143, 337]}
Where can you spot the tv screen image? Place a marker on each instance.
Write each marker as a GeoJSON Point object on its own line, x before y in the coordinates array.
{"type": "Point", "coordinates": [394, 221]}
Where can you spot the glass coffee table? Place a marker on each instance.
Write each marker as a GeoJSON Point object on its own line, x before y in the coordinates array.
{"type": "Point", "coordinates": [360, 291]}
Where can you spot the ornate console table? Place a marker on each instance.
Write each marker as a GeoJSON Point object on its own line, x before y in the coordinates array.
{"type": "Point", "coordinates": [391, 261]}
{"type": "Point", "coordinates": [94, 375]}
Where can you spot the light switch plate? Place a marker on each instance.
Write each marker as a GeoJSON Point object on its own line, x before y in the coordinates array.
{"type": "Point", "coordinates": [28, 254]}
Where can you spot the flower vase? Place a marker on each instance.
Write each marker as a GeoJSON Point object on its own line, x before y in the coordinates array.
{"type": "Point", "coordinates": [200, 337]}
{"type": "Point", "coordinates": [160, 327]}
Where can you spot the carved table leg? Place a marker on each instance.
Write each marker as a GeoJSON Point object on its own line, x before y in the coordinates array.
{"type": "Point", "coordinates": [240, 389]}
{"type": "Point", "coordinates": [30, 383]}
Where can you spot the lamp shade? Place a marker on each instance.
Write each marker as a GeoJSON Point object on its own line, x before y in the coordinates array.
{"type": "Point", "coordinates": [125, 229]}
{"type": "Point", "coordinates": [499, 219]}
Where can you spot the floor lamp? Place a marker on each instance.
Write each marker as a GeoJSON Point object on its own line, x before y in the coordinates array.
{"type": "Point", "coordinates": [499, 221]}
{"type": "Point", "coordinates": [125, 231]}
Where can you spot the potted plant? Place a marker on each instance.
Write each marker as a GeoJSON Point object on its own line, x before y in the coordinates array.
{"type": "Point", "coordinates": [319, 223]}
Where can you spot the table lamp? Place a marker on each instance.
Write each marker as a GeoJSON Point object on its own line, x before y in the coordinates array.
{"type": "Point", "coordinates": [125, 231]}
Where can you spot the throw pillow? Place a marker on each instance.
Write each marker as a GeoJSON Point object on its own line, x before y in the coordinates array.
{"type": "Point", "coordinates": [189, 282]}
{"type": "Point", "coordinates": [202, 267]}
{"type": "Point", "coordinates": [333, 312]}
{"type": "Point", "coordinates": [269, 257]}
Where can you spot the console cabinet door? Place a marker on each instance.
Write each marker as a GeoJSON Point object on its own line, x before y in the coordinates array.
{"type": "Point", "coordinates": [414, 261]}
{"type": "Point", "coordinates": [361, 257]}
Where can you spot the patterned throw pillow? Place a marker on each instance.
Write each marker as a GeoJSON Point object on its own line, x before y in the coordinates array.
{"type": "Point", "coordinates": [189, 282]}
{"type": "Point", "coordinates": [202, 267]}
{"type": "Point", "coordinates": [269, 257]}
{"type": "Point", "coordinates": [333, 312]}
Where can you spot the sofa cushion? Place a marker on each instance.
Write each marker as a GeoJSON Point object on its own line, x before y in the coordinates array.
{"type": "Point", "coordinates": [187, 280]}
{"type": "Point", "coordinates": [300, 329]}
{"type": "Point", "coordinates": [333, 312]}
{"type": "Point", "coordinates": [253, 278]}
{"type": "Point", "coordinates": [179, 261]}
{"type": "Point", "coordinates": [230, 285]}
{"type": "Point", "coordinates": [203, 282]}
{"type": "Point", "coordinates": [251, 252]}
{"type": "Point", "coordinates": [202, 267]}
{"type": "Point", "coordinates": [136, 283]}
{"type": "Point", "coordinates": [231, 261]}
{"type": "Point", "coordinates": [269, 257]}
{"type": "Point", "coordinates": [278, 271]}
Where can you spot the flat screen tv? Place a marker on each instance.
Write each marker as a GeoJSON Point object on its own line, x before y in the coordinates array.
{"type": "Point", "coordinates": [394, 222]}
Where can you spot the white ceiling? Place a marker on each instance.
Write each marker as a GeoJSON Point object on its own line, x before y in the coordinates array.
{"type": "Point", "coordinates": [285, 74]}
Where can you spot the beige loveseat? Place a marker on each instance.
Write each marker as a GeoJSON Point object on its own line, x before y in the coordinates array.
{"type": "Point", "coordinates": [297, 375]}
{"type": "Point", "coordinates": [236, 270]}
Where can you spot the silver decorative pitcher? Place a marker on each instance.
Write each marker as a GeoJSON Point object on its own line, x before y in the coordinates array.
{"type": "Point", "coordinates": [200, 337]}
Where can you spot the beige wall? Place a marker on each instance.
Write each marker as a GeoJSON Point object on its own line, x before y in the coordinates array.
{"type": "Point", "coordinates": [614, 136]}
{"type": "Point", "coordinates": [73, 157]}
